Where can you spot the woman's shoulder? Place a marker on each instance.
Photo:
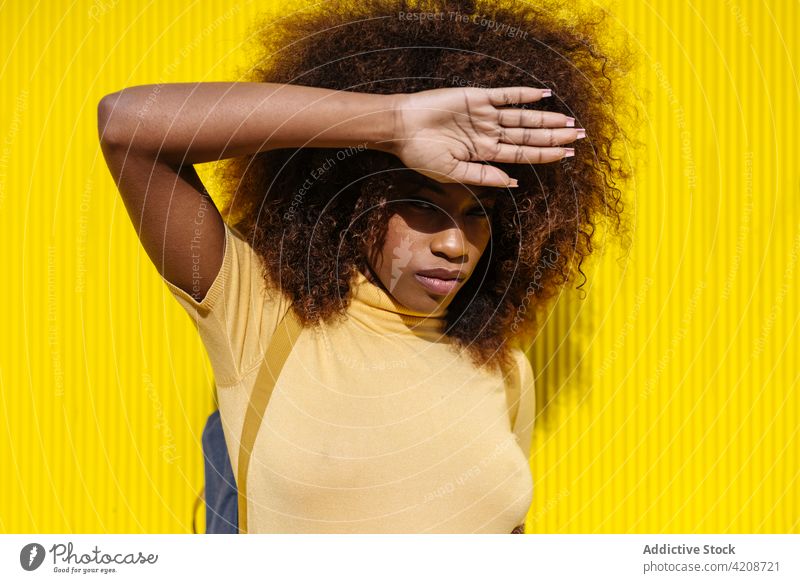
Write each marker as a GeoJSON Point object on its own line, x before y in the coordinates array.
{"type": "Point", "coordinates": [519, 371]}
{"type": "Point", "coordinates": [522, 394]}
{"type": "Point", "coordinates": [240, 312]}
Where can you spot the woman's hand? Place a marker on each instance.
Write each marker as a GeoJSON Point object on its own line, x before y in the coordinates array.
{"type": "Point", "coordinates": [444, 133]}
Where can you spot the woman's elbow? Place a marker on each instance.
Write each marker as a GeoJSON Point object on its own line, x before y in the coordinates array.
{"type": "Point", "coordinates": [115, 125]}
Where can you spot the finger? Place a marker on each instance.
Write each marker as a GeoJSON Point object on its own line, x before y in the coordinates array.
{"type": "Point", "coordinates": [509, 154]}
{"type": "Point", "coordinates": [499, 96]}
{"type": "Point", "coordinates": [480, 175]}
{"type": "Point", "coordinates": [540, 136]}
{"type": "Point", "coordinates": [533, 118]}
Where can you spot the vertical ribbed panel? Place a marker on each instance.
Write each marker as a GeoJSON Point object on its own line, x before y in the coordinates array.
{"type": "Point", "coordinates": [670, 392]}
{"type": "Point", "coordinates": [105, 384]}
{"type": "Point", "coordinates": [667, 399]}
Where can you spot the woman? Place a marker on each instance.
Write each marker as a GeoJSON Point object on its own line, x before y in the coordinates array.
{"type": "Point", "coordinates": [402, 181]}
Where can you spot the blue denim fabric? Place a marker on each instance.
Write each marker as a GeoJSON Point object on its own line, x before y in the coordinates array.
{"type": "Point", "coordinates": [222, 513]}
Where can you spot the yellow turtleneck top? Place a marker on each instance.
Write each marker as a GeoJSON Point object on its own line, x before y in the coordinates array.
{"type": "Point", "coordinates": [376, 425]}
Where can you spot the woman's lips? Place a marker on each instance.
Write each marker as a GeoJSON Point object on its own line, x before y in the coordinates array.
{"type": "Point", "coordinates": [436, 285]}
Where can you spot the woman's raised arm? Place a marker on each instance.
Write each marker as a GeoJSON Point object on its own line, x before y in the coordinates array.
{"type": "Point", "coordinates": [151, 135]}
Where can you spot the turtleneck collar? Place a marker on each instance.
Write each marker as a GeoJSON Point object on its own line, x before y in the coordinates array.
{"type": "Point", "coordinates": [375, 307]}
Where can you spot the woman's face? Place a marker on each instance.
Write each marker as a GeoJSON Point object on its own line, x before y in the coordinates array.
{"type": "Point", "coordinates": [437, 228]}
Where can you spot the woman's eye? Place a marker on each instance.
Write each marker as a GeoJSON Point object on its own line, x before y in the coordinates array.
{"type": "Point", "coordinates": [422, 204]}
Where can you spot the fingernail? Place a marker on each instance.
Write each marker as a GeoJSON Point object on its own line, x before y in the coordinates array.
{"type": "Point", "coordinates": [581, 133]}
{"type": "Point", "coordinates": [547, 93]}
{"type": "Point", "coordinates": [513, 183]}
{"type": "Point", "coordinates": [570, 122]}
{"type": "Point", "coordinates": [569, 152]}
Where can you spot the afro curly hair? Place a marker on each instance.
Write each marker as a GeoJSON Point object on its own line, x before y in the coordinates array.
{"type": "Point", "coordinates": [313, 238]}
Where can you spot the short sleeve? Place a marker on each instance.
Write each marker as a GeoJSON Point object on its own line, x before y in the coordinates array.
{"type": "Point", "coordinates": [238, 314]}
{"type": "Point", "coordinates": [522, 400]}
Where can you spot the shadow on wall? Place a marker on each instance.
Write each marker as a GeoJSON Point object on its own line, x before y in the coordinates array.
{"type": "Point", "coordinates": [560, 356]}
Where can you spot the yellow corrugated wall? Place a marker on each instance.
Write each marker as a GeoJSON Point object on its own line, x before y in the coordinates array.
{"type": "Point", "coordinates": [667, 398]}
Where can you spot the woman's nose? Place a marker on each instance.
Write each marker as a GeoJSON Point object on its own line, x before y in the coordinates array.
{"type": "Point", "coordinates": [449, 242]}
